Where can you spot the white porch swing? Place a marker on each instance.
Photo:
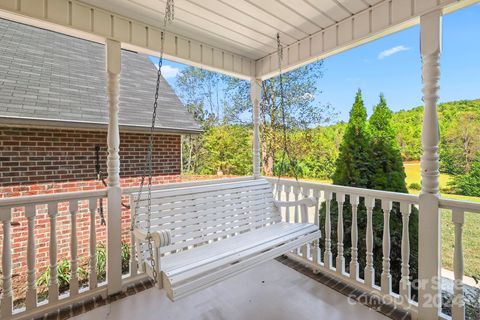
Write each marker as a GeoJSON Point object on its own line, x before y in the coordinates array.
{"type": "Point", "coordinates": [189, 238]}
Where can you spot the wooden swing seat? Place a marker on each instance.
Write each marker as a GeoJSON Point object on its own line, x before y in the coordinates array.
{"type": "Point", "coordinates": [205, 234]}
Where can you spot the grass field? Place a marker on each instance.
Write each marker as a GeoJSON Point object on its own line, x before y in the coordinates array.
{"type": "Point", "coordinates": [471, 231]}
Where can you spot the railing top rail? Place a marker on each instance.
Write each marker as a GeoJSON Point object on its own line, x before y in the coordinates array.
{"type": "Point", "coordinates": [466, 206]}
{"type": "Point", "coordinates": [377, 194]}
{"type": "Point", "coordinates": [130, 190]}
{"type": "Point", "coordinates": [52, 197]}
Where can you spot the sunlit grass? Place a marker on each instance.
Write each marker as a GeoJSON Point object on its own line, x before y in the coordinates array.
{"type": "Point", "coordinates": [471, 242]}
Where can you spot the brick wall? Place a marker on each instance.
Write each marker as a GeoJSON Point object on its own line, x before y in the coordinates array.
{"type": "Point", "coordinates": [41, 161]}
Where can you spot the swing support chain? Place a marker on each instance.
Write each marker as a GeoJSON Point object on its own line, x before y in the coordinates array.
{"type": "Point", "coordinates": [148, 168]}
{"type": "Point", "coordinates": [285, 151]}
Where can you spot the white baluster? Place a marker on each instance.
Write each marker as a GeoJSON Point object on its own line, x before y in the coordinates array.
{"type": "Point", "coordinates": [278, 197]}
{"type": "Point", "coordinates": [287, 189]}
{"type": "Point", "coordinates": [256, 97]}
{"type": "Point", "coordinates": [354, 266]}
{"type": "Point", "coordinates": [316, 250]}
{"type": "Point", "coordinates": [386, 277]}
{"type": "Point", "coordinates": [340, 262]}
{"type": "Point", "coordinates": [53, 287]}
{"type": "Point", "coordinates": [296, 212]}
{"type": "Point", "coordinates": [7, 299]}
{"type": "Point", "coordinates": [305, 250]}
{"type": "Point", "coordinates": [279, 191]}
{"type": "Point", "coordinates": [296, 194]}
{"type": "Point", "coordinates": [133, 260]}
{"type": "Point", "coordinates": [369, 270]}
{"type": "Point", "coordinates": [73, 207]}
{"type": "Point", "coordinates": [31, 297]}
{"type": "Point", "coordinates": [327, 256]}
{"type": "Point", "coordinates": [405, 285]}
{"type": "Point", "coordinates": [92, 279]}
{"type": "Point", "coordinates": [458, 303]}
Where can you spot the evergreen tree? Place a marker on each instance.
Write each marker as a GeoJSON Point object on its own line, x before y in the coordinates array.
{"type": "Point", "coordinates": [388, 171]}
{"type": "Point", "coordinates": [469, 184]}
{"type": "Point", "coordinates": [353, 165]}
{"type": "Point", "coordinates": [370, 158]}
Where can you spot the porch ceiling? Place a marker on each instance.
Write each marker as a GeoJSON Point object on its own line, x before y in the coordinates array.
{"type": "Point", "coordinates": [236, 37]}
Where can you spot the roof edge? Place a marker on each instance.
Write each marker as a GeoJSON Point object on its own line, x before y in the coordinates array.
{"type": "Point", "coordinates": [65, 124]}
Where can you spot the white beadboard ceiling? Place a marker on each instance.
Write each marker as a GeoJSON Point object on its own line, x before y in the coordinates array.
{"type": "Point", "coordinates": [247, 27]}
{"type": "Point", "coordinates": [236, 37]}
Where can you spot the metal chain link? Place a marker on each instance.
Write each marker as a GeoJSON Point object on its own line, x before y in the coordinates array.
{"type": "Point", "coordinates": [285, 151]}
{"type": "Point", "coordinates": [148, 169]}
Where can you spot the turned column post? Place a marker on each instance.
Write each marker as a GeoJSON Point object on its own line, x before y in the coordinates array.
{"type": "Point", "coordinates": [114, 192]}
{"type": "Point", "coordinates": [255, 95]}
{"type": "Point", "coordinates": [429, 242]}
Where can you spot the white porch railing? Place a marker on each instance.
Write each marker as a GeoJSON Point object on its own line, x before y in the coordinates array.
{"type": "Point", "coordinates": [310, 255]}
{"type": "Point", "coordinates": [458, 209]}
{"type": "Point", "coordinates": [30, 207]}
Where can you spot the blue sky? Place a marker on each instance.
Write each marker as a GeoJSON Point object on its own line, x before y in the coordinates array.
{"type": "Point", "coordinates": [392, 65]}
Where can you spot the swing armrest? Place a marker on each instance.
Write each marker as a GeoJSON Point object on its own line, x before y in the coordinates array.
{"type": "Point", "coordinates": [309, 202]}
{"type": "Point", "coordinates": [161, 238]}
{"type": "Point", "coordinates": [303, 204]}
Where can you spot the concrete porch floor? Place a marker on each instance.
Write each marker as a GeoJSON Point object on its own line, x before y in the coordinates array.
{"type": "Point", "coordinates": [269, 291]}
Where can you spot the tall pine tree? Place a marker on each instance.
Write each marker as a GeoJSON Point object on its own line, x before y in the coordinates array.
{"type": "Point", "coordinates": [353, 165]}
{"type": "Point", "coordinates": [388, 172]}
{"type": "Point", "coordinates": [370, 158]}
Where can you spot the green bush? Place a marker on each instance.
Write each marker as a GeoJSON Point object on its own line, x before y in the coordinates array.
{"type": "Point", "coordinates": [64, 269]}
{"type": "Point", "coordinates": [415, 186]}
{"type": "Point", "coordinates": [468, 184]}
{"type": "Point", "coordinates": [64, 275]}
{"type": "Point", "coordinates": [125, 257]}
{"type": "Point", "coordinates": [101, 262]}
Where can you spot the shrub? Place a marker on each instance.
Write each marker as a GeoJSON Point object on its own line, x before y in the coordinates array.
{"type": "Point", "coordinates": [101, 262]}
{"type": "Point", "coordinates": [468, 184]}
{"type": "Point", "coordinates": [125, 257]}
{"type": "Point", "coordinates": [415, 186]}
{"type": "Point", "coordinates": [64, 275]}
{"type": "Point", "coordinates": [64, 269]}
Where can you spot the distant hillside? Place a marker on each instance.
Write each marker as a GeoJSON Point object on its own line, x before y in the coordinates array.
{"type": "Point", "coordinates": [459, 144]}
{"type": "Point", "coordinates": [453, 116]}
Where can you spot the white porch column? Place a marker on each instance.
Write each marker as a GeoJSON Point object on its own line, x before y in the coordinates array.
{"type": "Point", "coordinates": [429, 256]}
{"type": "Point", "coordinates": [114, 265]}
{"type": "Point", "coordinates": [256, 96]}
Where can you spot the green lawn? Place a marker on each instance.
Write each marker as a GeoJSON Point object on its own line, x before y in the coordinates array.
{"type": "Point", "coordinates": [471, 233]}
{"type": "Point", "coordinates": [412, 170]}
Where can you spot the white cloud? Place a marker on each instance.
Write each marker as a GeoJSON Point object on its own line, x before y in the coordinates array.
{"type": "Point", "coordinates": [169, 72]}
{"type": "Point", "coordinates": [392, 51]}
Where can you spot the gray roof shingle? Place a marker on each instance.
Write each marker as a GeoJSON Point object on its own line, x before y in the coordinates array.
{"type": "Point", "coordinates": [54, 79]}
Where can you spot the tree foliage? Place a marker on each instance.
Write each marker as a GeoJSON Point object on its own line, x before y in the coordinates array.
{"type": "Point", "coordinates": [370, 158]}
{"type": "Point", "coordinates": [469, 184]}
{"type": "Point", "coordinates": [228, 150]}
{"type": "Point", "coordinates": [387, 167]}
{"type": "Point", "coordinates": [353, 166]}
{"type": "Point", "coordinates": [459, 130]}
{"type": "Point", "coordinates": [217, 100]}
